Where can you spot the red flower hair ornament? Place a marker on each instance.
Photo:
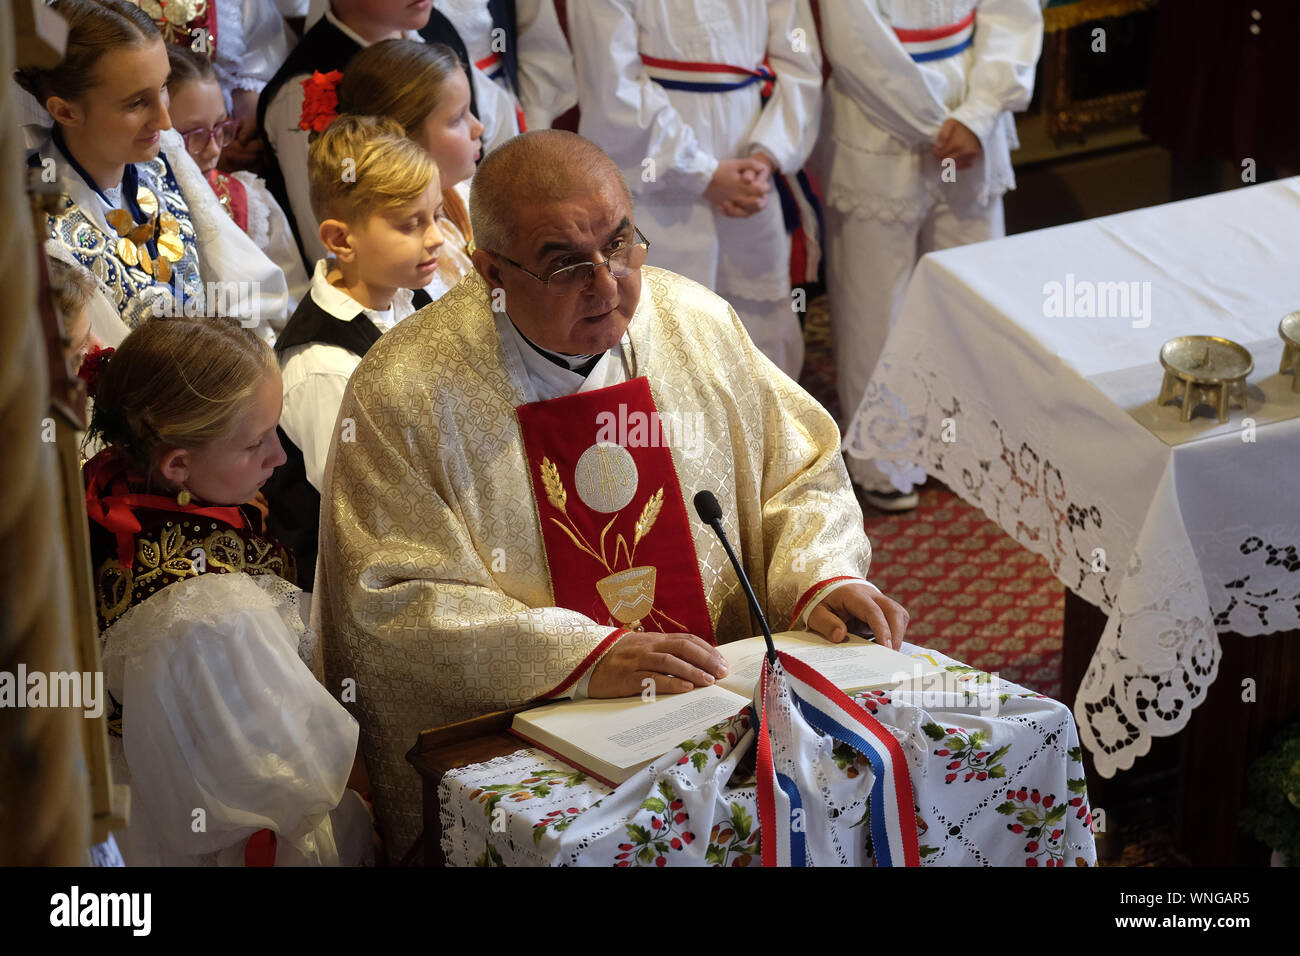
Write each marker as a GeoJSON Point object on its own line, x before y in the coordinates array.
{"type": "Point", "coordinates": [320, 102]}
{"type": "Point", "coordinates": [92, 367]}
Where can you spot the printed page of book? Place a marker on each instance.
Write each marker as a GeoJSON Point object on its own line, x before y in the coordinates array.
{"type": "Point", "coordinates": [855, 664]}
{"type": "Point", "coordinates": [626, 731]}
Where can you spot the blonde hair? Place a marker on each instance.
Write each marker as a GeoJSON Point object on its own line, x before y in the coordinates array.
{"type": "Point", "coordinates": [403, 80]}
{"type": "Point", "coordinates": [362, 165]}
{"type": "Point", "coordinates": [71, 286]}
{"type": "Point", "coordinates": [178, 383]}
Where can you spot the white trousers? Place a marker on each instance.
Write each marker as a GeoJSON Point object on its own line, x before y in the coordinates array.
{"type": "Point", "coordinates": [869, 263]}
{"type": "Point", "coordinates": [745, 261]}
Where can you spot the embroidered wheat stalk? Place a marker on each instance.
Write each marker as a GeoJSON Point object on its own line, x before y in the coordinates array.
{"type": "Point", "coordinates": [555, 492]}
{"type": "Point", "coordinates": [559, 499]}
{"type": "Point", "coordinates": [648, 515]}
{"type": "Point", "coordinates": [643, 524]}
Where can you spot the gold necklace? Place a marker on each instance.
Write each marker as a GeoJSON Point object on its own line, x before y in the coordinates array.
{"type": "Point", "coordinates": [133, 240]}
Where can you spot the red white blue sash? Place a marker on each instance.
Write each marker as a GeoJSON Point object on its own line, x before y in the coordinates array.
{"type": "Point", "coordinates": [801, 207]}
{"type": "Point", "coordinates": [706, 77]}
{"type": "Point", "coordinates": [491, 65]}
{"type": "Point", "coordinates": [938, 43]}
{"type": "Point", "coordinates": [787, 794]}
{"type": "Point", "coordinates": [494, 66]}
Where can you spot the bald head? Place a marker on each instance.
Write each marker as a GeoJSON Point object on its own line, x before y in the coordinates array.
{"type": "Point", "coordinates": [539, 167]}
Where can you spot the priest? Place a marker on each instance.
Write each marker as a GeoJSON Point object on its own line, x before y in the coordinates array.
{"type": "Point", "coordinates": [507, 497]}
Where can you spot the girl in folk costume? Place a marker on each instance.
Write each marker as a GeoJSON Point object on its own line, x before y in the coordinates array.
{"type": "Point", "coordinates": [917, 157]}
{"type": "Point", "coordinates": [423, 88]}
{"type": "Point", "coordinates": [135, 210]}
{"type": "Point", "coordinates": [209, 665]}
{"type": "Point", "coordinates": [518, 45]}
{"type": "Point", "coordinates": [702, 103]}
{"type": "Point", "coordinates": [199, 114]}
{"type": "Point", "coordinates": [246, 41]}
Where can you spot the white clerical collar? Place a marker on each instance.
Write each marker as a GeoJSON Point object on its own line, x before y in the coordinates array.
{"type": "Point", "coordinates": [549, 380]}
{"type": "Point", "coordinates": [574, 363]}
{"type": "Point", "coordinates": [342, 306]}
{"type": "Point", "coordinates": [356, 38]}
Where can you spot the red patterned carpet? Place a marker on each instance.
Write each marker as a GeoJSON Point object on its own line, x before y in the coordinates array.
{"type": "Point", "coordinates": [971, 591]}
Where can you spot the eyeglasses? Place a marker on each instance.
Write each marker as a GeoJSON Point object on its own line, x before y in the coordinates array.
{"type": "Point", "coordinates": [197, 139]}
{"type": "Point", "coordinates": [578, 278]}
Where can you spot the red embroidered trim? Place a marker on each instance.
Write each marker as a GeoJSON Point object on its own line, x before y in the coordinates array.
{"type": "Point", "coordinates": [232, 195]}
{"type": "Point", "coordinates": [798, 607]}
{"type": "Point", "coordinates": [587, 661]}
{"type": "Point", "coordinates": [115, 510]}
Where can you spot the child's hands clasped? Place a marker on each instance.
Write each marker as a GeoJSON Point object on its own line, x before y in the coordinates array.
{"type": "Point", "coordinates": [740, 186]}
{"type": "Point", "coordinates": [957, 142]}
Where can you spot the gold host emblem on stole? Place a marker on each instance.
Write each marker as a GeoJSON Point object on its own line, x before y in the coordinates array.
{"type": "Point", "coordinates": [628, 592]}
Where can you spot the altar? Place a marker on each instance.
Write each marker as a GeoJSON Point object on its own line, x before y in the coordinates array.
{"type": "Point", "coordinates": [1025, 374]}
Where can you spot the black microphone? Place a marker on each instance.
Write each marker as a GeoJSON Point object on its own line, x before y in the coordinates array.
{"type": "Point", "coordinates": [710, 512]}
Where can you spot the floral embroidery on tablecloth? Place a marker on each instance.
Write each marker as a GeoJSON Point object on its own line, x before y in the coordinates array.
{"type": "Point", "coordinates": [697, 805]}
{"type": "Point", "coordinates": [734, 838]}
{"type": "Point", "coordinates": [666, 830]}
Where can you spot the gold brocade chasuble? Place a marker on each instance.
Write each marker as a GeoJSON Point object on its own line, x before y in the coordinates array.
{"type": "Point", "coordinates": [435, 593]}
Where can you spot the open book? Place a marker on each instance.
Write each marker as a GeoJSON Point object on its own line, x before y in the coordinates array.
{"type": "Point", "coordinates": [612, 739]}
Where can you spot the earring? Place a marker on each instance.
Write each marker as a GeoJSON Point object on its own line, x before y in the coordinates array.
{"type": "Point", "coordinates": [183, 497]}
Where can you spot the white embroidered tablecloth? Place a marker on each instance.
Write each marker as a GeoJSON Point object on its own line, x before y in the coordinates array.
{"type": "Point", "coordinates": [1023, 374]}
{"type": "Point", "coordinates": [996, 776]}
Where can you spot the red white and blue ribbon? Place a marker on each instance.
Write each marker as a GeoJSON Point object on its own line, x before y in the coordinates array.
{"type": "Point", "coordinates": [938, 43]}
{"type": "Point", "coordinates": [494, 66]}
{"type": "Point", "coordinates": [784, 805]}
{"type": "Point", "coordinates": [706, 77]}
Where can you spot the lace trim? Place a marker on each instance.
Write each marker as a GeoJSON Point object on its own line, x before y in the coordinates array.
{"type": "Point", "coordinates": [259, 211]}
{"type": "Point", "coordinates": [1159, 652]}
{"type": "Point", "coordinates": [208, 600]}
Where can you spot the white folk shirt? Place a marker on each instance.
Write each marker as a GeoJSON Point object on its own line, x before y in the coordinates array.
{"type": "Point", "coordinates": [252, 41]}
{"type": "Point", "coordinates": [546, 84]}
{"type": "Point", "coordinates": [885, 109]}
{"type": "Point", "coordinates": [315, 375]}
{"type": "Point", "coordinates": [685, 134]}
{"type": "Point", "coordinates": [549, 381]}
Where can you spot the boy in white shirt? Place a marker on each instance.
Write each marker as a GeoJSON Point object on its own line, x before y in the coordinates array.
{"type": "Point", "coordinates": [917, 156]}
{"type": "Point", "coordinates": [377, 196]}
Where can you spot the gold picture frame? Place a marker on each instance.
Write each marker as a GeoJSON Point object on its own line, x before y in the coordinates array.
{"type": "Point", "coordinates": [1068, 118]}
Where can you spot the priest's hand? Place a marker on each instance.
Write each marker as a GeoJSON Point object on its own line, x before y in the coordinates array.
{"type": "Point", "coordinates": [848, 608]}
{"type": "Point", "coordinates": [957, 142]}
{"type": "Point", "coordinates": [676, 662]}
